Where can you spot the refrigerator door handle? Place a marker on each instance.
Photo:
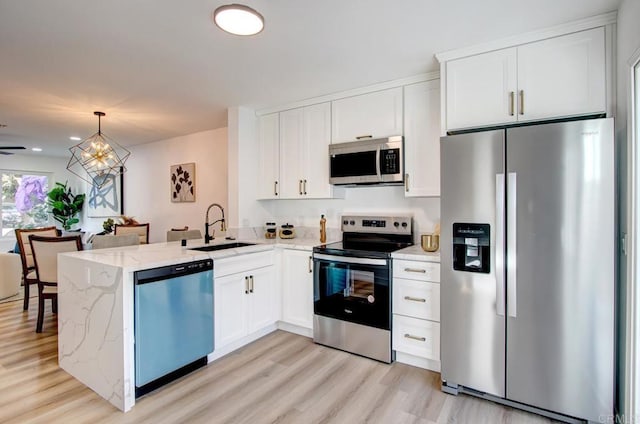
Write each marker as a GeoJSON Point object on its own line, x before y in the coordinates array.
{"type": "Point", "coordinates": [512, 263]}
{"type": "Point", "coordinates": [499, 259]}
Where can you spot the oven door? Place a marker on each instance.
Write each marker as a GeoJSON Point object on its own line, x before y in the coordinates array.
{"type": "Point", "coordinates": [353, 289]}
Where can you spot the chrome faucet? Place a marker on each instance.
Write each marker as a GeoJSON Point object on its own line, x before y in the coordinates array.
{"type": "Point", "coordinates": [223, 226]}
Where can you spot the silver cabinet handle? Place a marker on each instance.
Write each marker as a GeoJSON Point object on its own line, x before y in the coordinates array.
{"type": "Point", "coordinates": [415, 299]}
{"type": "Point", "coordinates": [422, 271]}
{"type": "Point", "coordinates": [500, 244]}
{"type": "Point", "coordinates": [512, 101]}
{"type": "Point", "coordinates": [512, 227]}
{"type": "Point", "coordinates": [420, 339]}
{"type": "Point", "coordinates": [361, 137]}
{"type": "Point", "coordinates": [304, 185]}
{"type": "Point", "coordinates": [251, 284]}
{"type": "Point", "coordinates": [406, 183]}
{"type": "Point", "coordinates": [521, 102]}
{"type": "Point", "coordinates": [310, 264]}
{"type": "Point", "coordinates": [275, 188]}
{"type": "Point", "coordinates": [300, 187]}
{"type": "Point", "coordinates": [246, 285]}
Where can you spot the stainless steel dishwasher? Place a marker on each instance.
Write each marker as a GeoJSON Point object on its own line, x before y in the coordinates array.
{"type": "Point", "coordinates": [173, 322]}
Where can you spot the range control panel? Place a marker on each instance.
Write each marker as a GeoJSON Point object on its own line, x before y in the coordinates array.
{"type": "Point", "coordinates": [396, 224]}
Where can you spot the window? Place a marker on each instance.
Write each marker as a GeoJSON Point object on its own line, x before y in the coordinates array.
{"type": "Point", "coordinates": [23, 202]}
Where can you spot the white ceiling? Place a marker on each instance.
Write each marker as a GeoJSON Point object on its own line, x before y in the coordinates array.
{"type": "Point", "coordinates": [161, 68]}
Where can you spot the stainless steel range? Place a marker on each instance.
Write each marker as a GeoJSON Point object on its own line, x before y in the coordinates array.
{"type": "Point", "coordinates": [352, 285]}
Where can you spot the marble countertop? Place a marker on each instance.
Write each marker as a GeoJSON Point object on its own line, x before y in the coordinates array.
{"type": "Point", "coordinates": [145, 256]}
{"type": "Point", "coordinates": [415, 253]}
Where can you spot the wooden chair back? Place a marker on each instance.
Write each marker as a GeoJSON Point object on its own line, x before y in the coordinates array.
{"type": "Point", "coordinates": [45, 254]}
{"type": "Point", "coordinates": [26, 255]}
{"type": "Point", "coordinates": [107, 241]}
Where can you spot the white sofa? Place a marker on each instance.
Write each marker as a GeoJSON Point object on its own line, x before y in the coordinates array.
{"type": "Point", "coordinates": [10, 274]}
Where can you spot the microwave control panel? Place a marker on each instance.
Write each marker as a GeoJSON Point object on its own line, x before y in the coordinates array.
{"type": "Point", "coordinates": [390, 161]}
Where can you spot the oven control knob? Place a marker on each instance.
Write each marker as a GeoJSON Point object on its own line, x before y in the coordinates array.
{"type": "Point", "coordinates": [404, 225]}
{"type": "Point", "coordinates": [396, 224]}
{"type": "Point", "coordinates": [352, 222]}
{"type": "Point", "coordinates": [345, 222]}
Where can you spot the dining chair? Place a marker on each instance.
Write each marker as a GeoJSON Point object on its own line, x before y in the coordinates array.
{"type": "Point", "coordinates": [173, 235]}
{"type": "Point", "coordinates": [45, 257]}
{"type": "Point", "coordinates": [142, 230]}
{"type": "Point", "coordinates": [26, 257]}
{"type": "Point", "coordinates": [107, 241]}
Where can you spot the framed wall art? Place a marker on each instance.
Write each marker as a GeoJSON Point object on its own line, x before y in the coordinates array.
{"type": "Point", "coordinates": [106, 201]}
{"type": "Point", "coordinates": [183, 182]}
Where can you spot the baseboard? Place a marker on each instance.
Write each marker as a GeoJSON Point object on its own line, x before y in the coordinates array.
{"type": "Point", "coordinates": [225, 350]}
{"type": "Point", "coordinates": [295, 329]}
{"type": "Point", "coordinates": [416, 361]}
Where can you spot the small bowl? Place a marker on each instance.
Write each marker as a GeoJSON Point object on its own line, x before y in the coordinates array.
{"type": "Point", "coordinates": [430, 242]}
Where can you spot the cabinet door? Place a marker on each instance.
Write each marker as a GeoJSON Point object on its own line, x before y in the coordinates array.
{"type": "Point", "coordinates": [377, 114]}
{"type": "Point", "coordinates": [291, 139]}
{"type": "Point", "coordinates": [297, 288]}
{"type": "Point", "coordinates": [422, 139]}
{"type": "Point", "coordinates": [230, 309]}
{"type": "Point", "coordinates": [562, 76]}
{"type": "Point", "coordinates": [315, 155]}
{"type": "Point", "coordinates": [481, 90]}
{"type": "Point", "coordinates": [261, 306]}
{"type": "Point", "coordinates": [269, 162]}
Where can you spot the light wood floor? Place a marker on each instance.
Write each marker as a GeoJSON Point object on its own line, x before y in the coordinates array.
{"type": "Point", "coordinates": [281, 378]}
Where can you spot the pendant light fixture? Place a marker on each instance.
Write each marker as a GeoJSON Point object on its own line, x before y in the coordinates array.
{"type": "Point", "coordinates": [98, 159]}
{"type": "Point", "coordinates": [238, 19]}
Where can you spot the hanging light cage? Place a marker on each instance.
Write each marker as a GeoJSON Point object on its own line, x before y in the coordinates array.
{"type": "Point", "coordinates": [98, 159]}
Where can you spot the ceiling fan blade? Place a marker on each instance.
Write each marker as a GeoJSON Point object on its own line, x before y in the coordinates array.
{"type": "Point", "coordinates": [12, 147]}
{"type": "Point", "coordinates": [5, 153]}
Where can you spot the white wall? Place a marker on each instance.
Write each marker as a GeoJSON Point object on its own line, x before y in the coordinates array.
{"type": "Point", "coordinates": [147, 187]}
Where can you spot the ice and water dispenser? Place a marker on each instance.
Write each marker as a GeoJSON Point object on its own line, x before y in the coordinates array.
{"type": "Point", "coordinates": [471, 243]}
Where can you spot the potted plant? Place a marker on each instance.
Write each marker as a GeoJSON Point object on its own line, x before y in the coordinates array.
{"type": "Point", "coordinates": [65, 206]}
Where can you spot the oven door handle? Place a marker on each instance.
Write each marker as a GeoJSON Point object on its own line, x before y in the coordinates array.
{"type": "Point", "coordinates": [378, 171]}
{"type": "Point", "coordinates": [350, 259]}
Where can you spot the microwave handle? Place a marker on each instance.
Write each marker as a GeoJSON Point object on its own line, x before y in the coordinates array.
{"type": "Point", "coordinates": [378, 164]}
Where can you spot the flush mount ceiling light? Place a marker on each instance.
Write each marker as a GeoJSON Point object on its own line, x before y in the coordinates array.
{"type": "Point", "coordinates": [98, 159]}
{"type": "Point", "coordinates": [238, 19]}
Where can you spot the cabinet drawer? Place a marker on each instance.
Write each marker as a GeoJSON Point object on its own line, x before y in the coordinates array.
{"type": "Point", "coordinates": [416, 299]}
{"type": "Point", "coordinates": [416, 337]}
{"type": "Point", "coordinates": [414, 270]}
{"type": "Point", "coordinates": [242, 263]}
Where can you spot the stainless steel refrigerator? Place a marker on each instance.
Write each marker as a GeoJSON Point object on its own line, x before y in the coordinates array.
{"type": "Point", "coordinates": [527, 266]}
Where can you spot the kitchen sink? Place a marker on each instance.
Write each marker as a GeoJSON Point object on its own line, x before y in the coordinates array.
{"type": "Point", "coordinates": [213, 247]}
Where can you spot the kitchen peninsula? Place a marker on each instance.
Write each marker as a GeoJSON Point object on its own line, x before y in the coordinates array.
{"type": "Point", "coordinates": [96, 307]}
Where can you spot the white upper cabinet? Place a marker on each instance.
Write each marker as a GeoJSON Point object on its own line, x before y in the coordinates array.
{"type": "Point", "coordinates": [269, 159]}
{"type": "Point", "coordinates": [422, 138]}
{"type": "Point", "coordinates": [481, 89]}
{"type": "Point", "coordinates": [372, 115]}
{"type": "Point", "coordinates": [316, 136]}
{"type": "Point", "coordinates": [294, 154]}
{"type": "Point", "coordinates": [557, 77]}
{"type": "Point", "coordinates": [291, 140]}
{"type": "Point", "coordinates": [562, 76]}
{"type": "Point", "coordinates": [304, 152]}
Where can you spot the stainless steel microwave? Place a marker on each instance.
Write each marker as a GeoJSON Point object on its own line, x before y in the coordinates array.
{"type": "Point", "coordinates": [378, 161]}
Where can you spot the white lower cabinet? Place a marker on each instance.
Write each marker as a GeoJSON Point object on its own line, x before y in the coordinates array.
{"type": "Point", "coordinates": [244, 300]}
{"type": "Point", "coordinates": [297, 288]}
{"type": "Point", "coordinates": [416, 313]}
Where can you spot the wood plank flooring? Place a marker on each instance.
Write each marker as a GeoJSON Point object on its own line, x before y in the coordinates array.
{"type": "Point", "coordinates": [281, 378]}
